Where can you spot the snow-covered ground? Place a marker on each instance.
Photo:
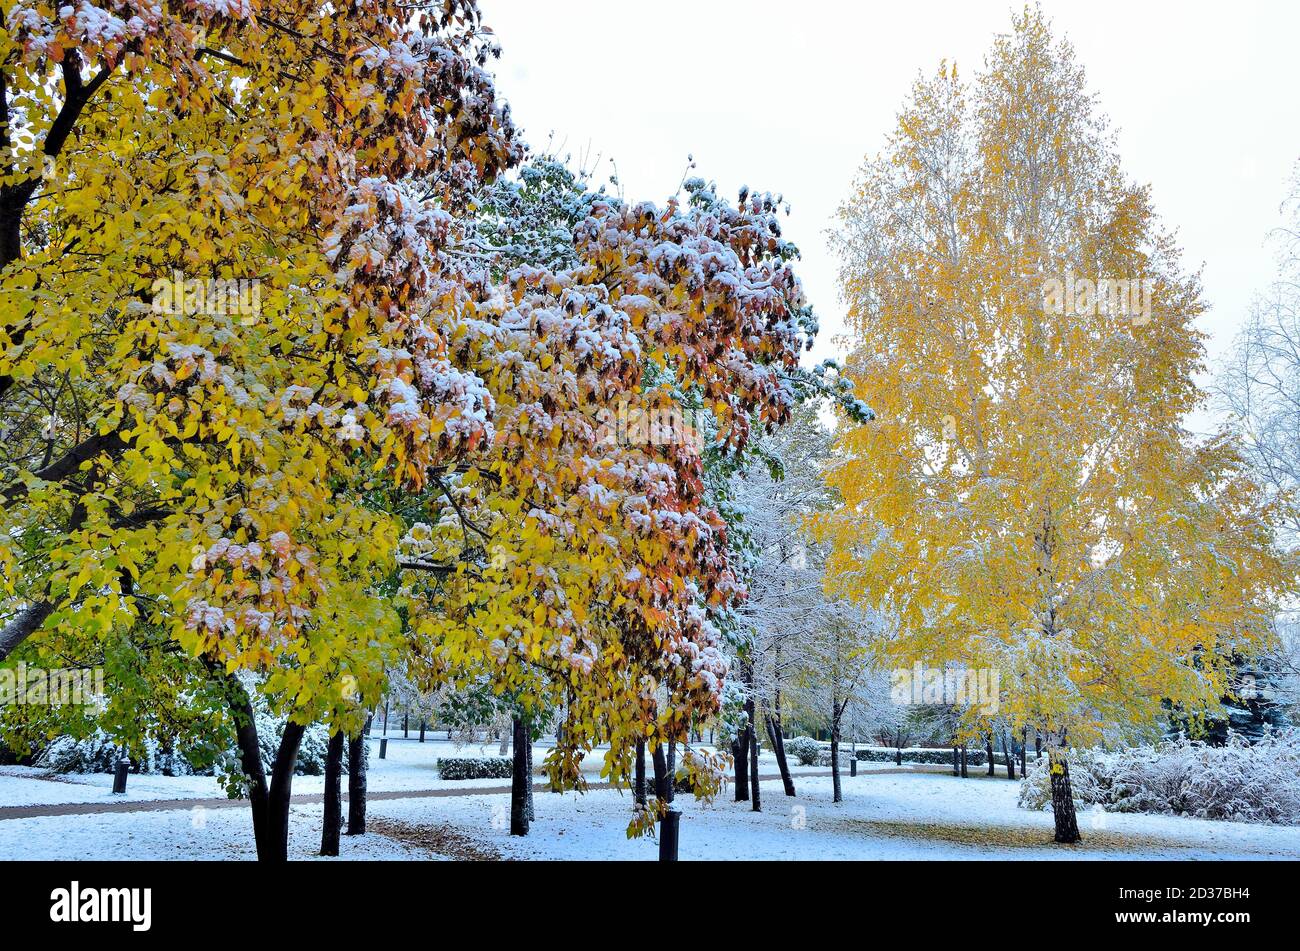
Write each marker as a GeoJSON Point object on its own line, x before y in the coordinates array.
{"type": "Point", "coordinates": [887, 814]}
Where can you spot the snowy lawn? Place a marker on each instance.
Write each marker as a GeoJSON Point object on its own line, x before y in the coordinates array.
{"type": "Point", "coordinates": [410, 765]}
{"type": "Point", "coordinates": [886, 815]}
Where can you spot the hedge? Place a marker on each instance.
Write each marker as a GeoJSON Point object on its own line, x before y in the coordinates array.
{"type": "Point", "coordinates": [497, 767]}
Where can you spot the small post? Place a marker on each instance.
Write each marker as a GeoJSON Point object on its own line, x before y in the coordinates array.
{"type": "Point", "coordinates": [119, 777]}
{"type": "Point", "coordinates": [383, 748]}
{"type": "Point", "coordinates": [669, 834]}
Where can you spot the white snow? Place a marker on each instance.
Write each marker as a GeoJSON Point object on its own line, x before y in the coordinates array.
{"type": "Point", "coordinates": [887, 814]}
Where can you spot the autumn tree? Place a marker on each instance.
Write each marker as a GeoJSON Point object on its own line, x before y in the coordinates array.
{"type": "Point", "coordinates": [186, 457]}
{"type": "Point", "coordinates": [1029, 500]}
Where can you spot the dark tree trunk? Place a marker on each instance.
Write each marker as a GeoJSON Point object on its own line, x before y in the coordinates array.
{"type": "Point", "coordinates": [740, 758]}
{"type": "Point", "coordinates": [778, 746]}
{"type": "Point", "coordinates": [520, 782]}
{"type": "Point", "coordinates": [1038, 745]}
{"type": "Point", "coordinates": [663, 780]}
{"type": "Point", "coordinates": [357, 766]}
{"type": "Point", "coordinates": [333, 822]}
{"type": "Point", "coordinates": [424, 725]}
{"type": "Point", "coordinates": [277, 821]}
{"type": "Point", "coordinates": [964, 774]}
{"type": "Point", "coordinates": [638, 774]}
{"type": "Point", "coordinates": [837, 791]}
{"type": "Point", "coordinates": [1067, 823]}
{"type": "Point", "coordinates": [406, 726]}
{"type": "Point", "coordinates": [250, 758]}
{"type": "Point", "coordinates": [1008, 755]}
{"type": "Point", "coordinates": [988, 752]}
{"type": "Point", "coordinates": [756, 802]}
{"type": "Point", "coordinates": [1024, 746]}
{"type": "Point", "coordinates": [956, 761]}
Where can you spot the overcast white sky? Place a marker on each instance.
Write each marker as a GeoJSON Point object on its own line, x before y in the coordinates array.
{"type": "Point", "coordinates": [790, 97]}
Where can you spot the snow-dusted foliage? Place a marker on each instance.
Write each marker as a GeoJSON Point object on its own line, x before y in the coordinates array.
{"type": "Point", "coordinates": [1236, 782]}
{"type": "Point", "coordinates": [97, 753]}
{"type": "Point", "coordinates": [804, 749]}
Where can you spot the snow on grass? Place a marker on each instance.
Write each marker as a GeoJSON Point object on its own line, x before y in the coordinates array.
{"type": "Point", "coordinates": [410, 765]}
{"type": "Point", "coordinates": [886, 815]}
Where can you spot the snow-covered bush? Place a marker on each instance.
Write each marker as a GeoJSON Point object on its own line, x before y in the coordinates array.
{"type": "Point", "coordinates": [98, 754]}
{"type": "Point", "coordinates": [803, 748]}
{"type": "Point", "coordinates": [925, 755]}
{"type": "Point", "coordinates": [496, 767]}
{"type": "Point", "coordinates": [1236, 782]}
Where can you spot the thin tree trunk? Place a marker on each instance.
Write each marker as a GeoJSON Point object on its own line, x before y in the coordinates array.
{"type": "Point", "coordinates": [1067, 823]}
{"type": "Point", "coordinates": [638, 774]}
{"type": "Point", "coordinates": [778, 745]}
{"type": "Point", "coordinates": [1024, 747]}
{"type": "Point", "coordinates": [663, 790]}
{"type": "Point", "coordinates": [528, 747]}
{"type": "Point", "coordinates": [838, 794]}
{"type": "Point", "coordinates": [1008, 755]}
{"type": "Point", "coordinates": [357, 766]}
{"type": "Point", "coordinates": [756, 802]}
{"type": "Point", "coordinates": [672, 770]}
{"type": "Point", "coordinates": [988, 752]}
{"type": "Point", "coordinates": [277, 823]}
{"type": "Point", "coordinates": [521, 781]}
{"type": "Point", "coordinates": [740, 758]}
{"type": "Point", "coordinates": [250, 758]}
{"type": "Point", "coordinates": [964, 774]}
{"type": "Point", "coordinates": [333, 821]}
{"type": "Point", "coordinates": [956, 762]}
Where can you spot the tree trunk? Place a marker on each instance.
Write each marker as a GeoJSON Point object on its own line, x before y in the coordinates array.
{"type": "Point", "coordinates": [1008, 755]}
{"type": "Point", "coordinates": [663, 782]}
{"type": "Point", "coordinates": [672, 770]}
{"type": "Point", "coordinates": [277, 820]}
{"type": "Point", "coordinates": [755, 799]}
{"type": "Point", "coordinates": [357, 766]}
{"type": "Point", "coordinates": [988, 752]}
{"type": "Point", "coordinates": [1067, 823]}
{"type": "Point", "coordinates": [250, 758]}
{"type": "Point", "coordinates": [333, 822]}
{"type": "Point", "coordinates": [1024, 746]}
{"type": "Point", "coordinates": [778, 745]}
{"type": "Point", "coordinates": [532, 813]}
{"type": "Point", "coordinates": [638, 774]}
{"type": "Point", "coordinates": [740, 758]}
{"type": "Point", "coordinates": [964, 774]}
{"type": "Point", "coordinates": [956, 761]}
{"type": "Point", "coordinates": [838, 794]}
{"type": "Point", "coordinates": [521, 781]}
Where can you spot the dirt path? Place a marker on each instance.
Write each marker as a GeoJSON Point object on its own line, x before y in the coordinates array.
{"type": "Point", "coordinates": [309, 799]}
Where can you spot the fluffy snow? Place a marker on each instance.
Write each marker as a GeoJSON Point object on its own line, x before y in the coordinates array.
{"type": "Point", "coordinates": [913, 813]}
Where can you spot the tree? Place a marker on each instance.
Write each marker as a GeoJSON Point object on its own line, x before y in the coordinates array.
{"type": "Point", "coordinates": [1029, 500]}
{"type": "Point", "coordinates": [1259, 384]}
{"type": "Point", "coordinates": [198, 441]}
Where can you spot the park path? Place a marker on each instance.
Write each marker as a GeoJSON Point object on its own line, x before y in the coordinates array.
{"type": "Point", "coordinates": [309, 799]}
